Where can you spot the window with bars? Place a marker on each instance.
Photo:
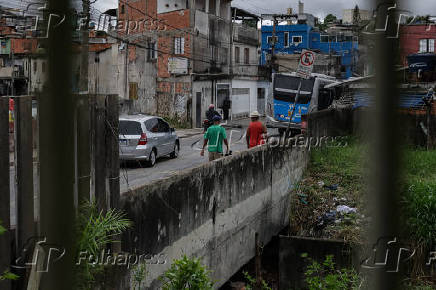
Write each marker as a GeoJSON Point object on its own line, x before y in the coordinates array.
{"type": "Point", "coordinates": [179, 45]}
{"type": "Point", "coordinates": [426, 45]}
{"type": "Point", "coordinates": [152, 51]}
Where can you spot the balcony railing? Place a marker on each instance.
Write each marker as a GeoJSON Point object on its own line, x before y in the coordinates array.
{"type": "Point", "coordinates": [245, 34]}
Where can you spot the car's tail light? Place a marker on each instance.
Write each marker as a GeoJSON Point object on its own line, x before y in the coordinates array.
{"type": "Point", "coordinates": [143, 139]}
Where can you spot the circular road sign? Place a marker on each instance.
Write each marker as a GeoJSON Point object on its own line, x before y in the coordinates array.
{"type": "Point", "coordinates": [307, 58]}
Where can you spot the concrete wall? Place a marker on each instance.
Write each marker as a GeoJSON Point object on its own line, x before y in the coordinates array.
{"type": "Point", "coordinates": [214, 211]}
{"type": "Point", "coordinates": [107, 75]}
{"type": "Point", "coordinates": [331, 123]}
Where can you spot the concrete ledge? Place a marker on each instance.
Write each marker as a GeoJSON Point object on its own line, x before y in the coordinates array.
{"type": "Point", "coordinates": [213, 211]}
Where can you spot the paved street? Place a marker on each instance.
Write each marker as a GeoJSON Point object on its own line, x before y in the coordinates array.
{"type": "Point", "coordinates": [135, 174]}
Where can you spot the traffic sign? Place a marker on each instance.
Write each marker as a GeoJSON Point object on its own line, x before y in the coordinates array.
{"type": "Point", "coordinates": [305, 66]}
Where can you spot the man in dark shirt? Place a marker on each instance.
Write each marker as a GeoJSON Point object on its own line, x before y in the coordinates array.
{"type": "Point", "coordinates": [227, 104]}
{"type": "Point", "coordinates": [211, 113]}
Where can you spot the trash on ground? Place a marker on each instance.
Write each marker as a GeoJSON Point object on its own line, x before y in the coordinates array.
{"type": "Point", "coordinates": [343, 209]}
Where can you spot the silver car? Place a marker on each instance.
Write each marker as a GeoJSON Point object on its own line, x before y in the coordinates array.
{"type": "Point", "coordinates": [144, 137]}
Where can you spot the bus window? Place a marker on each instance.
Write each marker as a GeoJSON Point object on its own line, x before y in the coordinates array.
{"type": "Point", "coordinates": [286, 88]}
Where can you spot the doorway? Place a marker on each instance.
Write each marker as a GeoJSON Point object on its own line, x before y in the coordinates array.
{"type": "Point", "coordinates": [198, 110]}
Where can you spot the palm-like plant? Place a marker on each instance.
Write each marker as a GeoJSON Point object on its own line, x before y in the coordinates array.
{"type": "Point", "coordinates": [95, 230]}
{"type": "Point", "coordinates": [187, 274]}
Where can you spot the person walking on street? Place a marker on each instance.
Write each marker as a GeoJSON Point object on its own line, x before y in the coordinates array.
{"type": "Point", "coordinates": [227, 104]}
{"type": "Point", "coordinates": [215, 136]}
{"type": "Point", "coordinates": [255, 131]}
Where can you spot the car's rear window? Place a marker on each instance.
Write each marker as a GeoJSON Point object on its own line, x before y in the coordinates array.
{"type": "Point", "coordinates": [130, 128]}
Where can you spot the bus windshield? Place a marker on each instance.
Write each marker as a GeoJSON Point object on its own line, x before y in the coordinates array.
{"type": "Point", "coordinates": [286, 88]}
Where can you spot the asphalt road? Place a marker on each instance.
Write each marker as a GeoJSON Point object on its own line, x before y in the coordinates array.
{"type": "Point", "coordinates": [136, 174]}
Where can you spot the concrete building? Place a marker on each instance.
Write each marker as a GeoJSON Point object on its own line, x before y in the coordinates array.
{"type": "Point", "coordinates": [291, 39]}
{"type": "Point", "coordinates": [248, 88]}
{"type": "Point", "coordinates": [347, 15]}
{"type": "Point", "coordinates": [191, 40]}
{"type": "Point", "coordinates": [204, 52]}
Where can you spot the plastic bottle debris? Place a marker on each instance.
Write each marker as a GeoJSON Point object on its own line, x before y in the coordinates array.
{"type": "Point", "coordinates": [321, 183]}
{"type": "Point", "coordinates": [343, 209]}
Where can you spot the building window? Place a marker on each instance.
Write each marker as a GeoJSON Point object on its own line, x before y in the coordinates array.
{"type": "Point", "coordinates": [332, 38]}
{"type": "Point", "coordinates": [43, 66]}
{"type": "Point", "coordinates": [297, 39]}
{"type": "Point", "coordinates": [122, 9]}
{"type": "Point", "coordinates": [179, 45]}
{"type": "Point", "coordinates": [426, 45]}
{"type": "Point", "coordinates": [152, 51]}
{"type": "Point", "coordinates": [247, 55]}
{"type": "Point", "coordinates": [237, 54]}
{"type": "Point", "coordinates": [286, 40]}
{"type": "Point", "coordinates": [324, 38]}
{"type": "Point", "coordinates": [270, 40]}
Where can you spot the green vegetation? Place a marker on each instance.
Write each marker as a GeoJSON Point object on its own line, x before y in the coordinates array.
{"type": "Point", "coordinates": [187, 273]}
{"type": "Point", "coordinates": [6, 274]}
{"type": "Point", "coordinates": [330, 18]}
{"type": "Point", "coordinates": [251, 283]}
{"type": "Point", "coordinates": [327, 276]}
{"type": "Point", "coordinates": [418, 189]}
{"type": "Point", "coordinates": [345, 167]}
{"type": "Point", "coordinates": [356, 15]}
{"type": "Point", "coordinates": [177, 123]}
{"type": "Point", "coordinates": [95, 230]}
{"type": "Point", "coordinates": [139, 275]}
{"type": "Point", "coordinates": [339, 167]}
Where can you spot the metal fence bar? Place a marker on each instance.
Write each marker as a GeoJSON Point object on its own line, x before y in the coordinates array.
{"type": "Point", "coordinates": [25, 228]}
{"type": "Point", "coordinates": [83, 147]}
{"type": "Point", "coordinates": [112, 154]}
{"type": "Point", "coordinates": [385, 149]}
{"type": "Point", "coordinates": [57, 150]}
{"type": "Point", "coordinates": [99, 127]}
{"type": "Point", "coordinates": [5, 240]}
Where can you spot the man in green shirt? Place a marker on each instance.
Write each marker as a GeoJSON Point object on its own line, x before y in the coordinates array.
{"type": "Point", "coordinates": [215, 136]}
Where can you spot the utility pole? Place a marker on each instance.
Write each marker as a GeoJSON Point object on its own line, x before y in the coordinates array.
{"type": "Point", "coordinates": [272, 61]}
{"type": "Point", "coordinates": [276, 18]}
{"type": "Point", "coordinates": [13, 73]}
{"type": "Point", "coordinates": [83, 84]}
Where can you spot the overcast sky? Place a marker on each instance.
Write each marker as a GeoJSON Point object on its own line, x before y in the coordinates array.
{"type": "Point", "coordinates": [319, 8]}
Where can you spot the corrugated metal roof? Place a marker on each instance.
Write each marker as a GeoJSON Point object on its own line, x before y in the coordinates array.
{"type": "Point", "coordinates": [406, 100]}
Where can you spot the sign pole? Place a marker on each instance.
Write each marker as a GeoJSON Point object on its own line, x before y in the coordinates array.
{"type": "Point", "coordinates": [293, 108]}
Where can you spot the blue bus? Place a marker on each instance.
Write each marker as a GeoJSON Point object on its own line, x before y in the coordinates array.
{"type": "Point", "coordinates": [312, 97]}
